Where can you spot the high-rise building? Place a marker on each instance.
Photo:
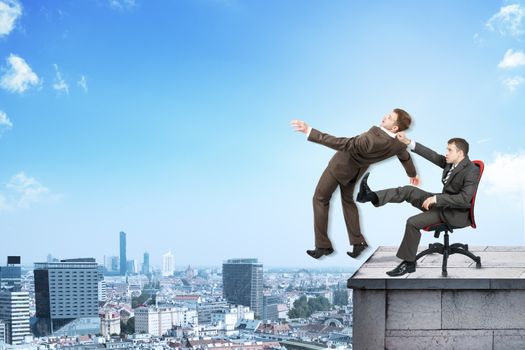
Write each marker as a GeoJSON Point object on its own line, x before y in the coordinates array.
{"type": "Point", "coordinates": [111, 265]}
{"type": "Point", "coordinates": [14, 303]}
{"type": "Point", "coordinates": [66, 295]}
{"type": "Point", "coordinates": [11, 274]}
{"type": "Point", "coordinates": [123, 259]}
{"type": "Point", "coordinates": [167, 264]}
{"type": "Point", "coordinates": [14, 312]}
{"type": "Point", "coordinates": [242, 281]}
{"type": "Point", "coordinates": [145, 264]}
{"type": "Point", "coordinates": [102, 288]}
{"type": "Point", "coordinates": [132, 267]}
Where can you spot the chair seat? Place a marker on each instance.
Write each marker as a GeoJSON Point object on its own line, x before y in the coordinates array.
{"type": "Point", "coordinates": [438, 228]}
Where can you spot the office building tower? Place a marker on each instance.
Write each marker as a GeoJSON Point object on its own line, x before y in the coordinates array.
{"type": "Point", "coordinates": [14, 312]}
{"type": "Point", "coordinates": [167, 264]}
{"type": "Point", "coordinates": [123, 258]}
{"type": "Point", "coordinates": [242, 281]}
{"type": "Point", "coordinates": [66, 296]}
{"type": "Point", "coordinates": [145, 264]}
{"type": "Point", "coordinates": [133, 267]}
{"type": "Point", "coordinates": [11, 274]}
{"type": "Point", "coordinates": [14, 303]}
{"type": "Point", "coordinates": [270, 307]}
{"type": "Point", "coordinates": [102, 289]}
{"type": "Point", "coordinates": [114, 263]}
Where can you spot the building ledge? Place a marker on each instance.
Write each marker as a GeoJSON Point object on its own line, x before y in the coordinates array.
{"type": "Point", "coordinates": [502, 268]}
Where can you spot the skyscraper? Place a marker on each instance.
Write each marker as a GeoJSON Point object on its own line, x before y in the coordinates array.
{"type": "Point", "coordinates": [167, 264]}
{"type": "Point", "coordinates": [242, 281]}
{"type": "Point", "coordinates": [66, 295]}
{"type": "Point", "coordinates": [123, 261]}
{"type": "Point", "coordinates": [14, 311]}
{"type": "Point", "coordinates": [145, 264]}
{"type": "Point", "coordinates": [14, 303]}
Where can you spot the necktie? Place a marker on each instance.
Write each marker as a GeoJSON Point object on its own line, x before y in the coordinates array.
{"type": "Point", "coordinates": [448, 174]}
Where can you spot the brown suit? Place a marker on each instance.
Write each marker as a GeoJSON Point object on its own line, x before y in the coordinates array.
{"type": "Point", "coordinates": [354, 156]}
{"type": "Point", "coordinates": [452, 204]}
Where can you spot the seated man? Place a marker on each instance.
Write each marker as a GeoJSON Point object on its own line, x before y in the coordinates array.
{"type": "Point", "coordinates": [460, 180]}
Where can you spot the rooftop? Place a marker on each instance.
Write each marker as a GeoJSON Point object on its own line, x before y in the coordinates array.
{"type": "Point", "coordinates": [502, 268]}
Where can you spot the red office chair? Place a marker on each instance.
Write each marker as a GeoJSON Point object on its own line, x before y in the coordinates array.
{"type": "Point", "coordinates": [456, 248]}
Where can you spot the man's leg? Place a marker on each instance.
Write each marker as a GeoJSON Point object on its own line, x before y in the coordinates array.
{"type": "Point", "coordinates": [408, 249]}
{"type": "Point", "coordinates": [321, 203]}
{"type": "Point", "coordinates": [410, 194]}
{"type": "Point", "coordinates": [351, 214]}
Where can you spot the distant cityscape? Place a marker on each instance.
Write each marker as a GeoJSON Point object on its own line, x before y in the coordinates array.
{"type": "Point", "coordinates": [80, 304]}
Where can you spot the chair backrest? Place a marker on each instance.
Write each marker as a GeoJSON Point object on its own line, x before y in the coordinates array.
{"type": "Point", "coordinates": [481, 167]}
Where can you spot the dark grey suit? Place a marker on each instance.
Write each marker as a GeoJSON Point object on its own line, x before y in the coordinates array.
{"type": "Point", "coordinates": [354, 156]}
{"type": "Point", "coordinates": [452, 204]}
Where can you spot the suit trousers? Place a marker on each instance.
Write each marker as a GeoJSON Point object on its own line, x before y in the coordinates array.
{"type": "Point", "coordinates": [321, 205]}
{"type": "Point", "coordinates": [415, 196]}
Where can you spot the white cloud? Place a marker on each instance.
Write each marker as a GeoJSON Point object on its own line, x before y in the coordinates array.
{"type": "Point", "coordinates": [508, 20]}
{"type": "Point", "coordinates": [19, 76]}
{"type": "Point", "coordinates": [513, 83]}
{"type": "Point", "coordinates": [485, 140]}
{"type": "Point", "coordinates": [10, 11]}
{"type": "Point", "coordinates": [122, 4]}
{"type": "Point", "coordinates": [24, 191]}
{"type": "Point", "coordinates": [60, 84]}
{"type": "Point", "coordinates": [506, 174]}
{"type": "Point", "coordinates": [82, 82]}
{"type": "Point", "coordinates": [478, 40]}
{"type": "Point", "coordinates": [4, 121]}
{"type": "Point", "coordinates": [512, 59]}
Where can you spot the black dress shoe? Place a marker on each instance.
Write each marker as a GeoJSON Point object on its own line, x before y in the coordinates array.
{"type": "Point", "coordinates": [365, 193]}
{"type": "Point", "coordinates": [357, 250]}
{"type": "Point", "coordinates": [401, 269]}
{"type": "Point", "coordinates": [319, 252]}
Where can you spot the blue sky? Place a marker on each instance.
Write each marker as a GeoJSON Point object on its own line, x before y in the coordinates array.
{"type": "Point", "coordinates": [169, 120]}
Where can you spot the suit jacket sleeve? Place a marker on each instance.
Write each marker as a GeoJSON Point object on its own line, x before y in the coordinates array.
{"type": "Point", "coordinates": [406, 161]}
{"type": "Point", "coordinates": [464, 197]}
{"type": "Point", "coordinates": [430, 155]}
{"type": "Point", "coordinates": [358, 144]}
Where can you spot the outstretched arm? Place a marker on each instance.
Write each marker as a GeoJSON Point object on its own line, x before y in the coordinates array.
{"type": "Point", "coordinates": [423, 151]}
{"type": "Point", "coordinates": [358, 143]}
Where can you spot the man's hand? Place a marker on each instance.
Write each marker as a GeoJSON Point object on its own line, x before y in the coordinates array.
{"type": "Point", "coordinates": [415, 180]}
{"type": "Point", "coordinates": [403, 138]}
{"type": "Point", "coordinates": [429, 202]}
{"type": "Point", "coordinates": [300, 126]}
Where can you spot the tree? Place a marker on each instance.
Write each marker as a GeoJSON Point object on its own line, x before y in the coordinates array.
{"type": "Point", "coordinates": [129, 327]}
{"type": "Point", "coordinates": [341, 297]}
{"type": "Point", "coordinates": [304, 308]}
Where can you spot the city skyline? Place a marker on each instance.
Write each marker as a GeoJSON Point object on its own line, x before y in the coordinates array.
{"type": "Point", "coordinates": [170, 121]}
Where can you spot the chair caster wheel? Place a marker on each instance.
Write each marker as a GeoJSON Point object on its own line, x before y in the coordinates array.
{"type": "Point", "coordinates": [478, 264]}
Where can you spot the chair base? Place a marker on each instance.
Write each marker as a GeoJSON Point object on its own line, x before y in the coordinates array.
{"type": "Point", "coordinates": [446, 250]}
